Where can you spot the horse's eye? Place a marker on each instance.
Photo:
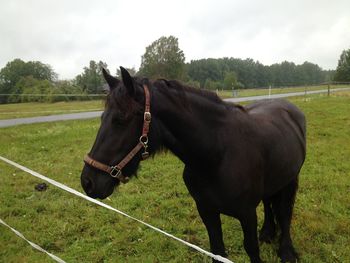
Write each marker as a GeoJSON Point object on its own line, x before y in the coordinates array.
{"type": "Point", "coordinates": [119, 120]}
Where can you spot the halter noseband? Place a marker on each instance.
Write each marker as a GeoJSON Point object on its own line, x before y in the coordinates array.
{"type": "Point", "coordinates": [116, 170]}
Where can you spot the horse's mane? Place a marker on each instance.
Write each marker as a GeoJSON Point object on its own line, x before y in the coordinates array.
{"type": "Point", "coordinates": [184, 89]}
{"type": "Point", "coordinates": [165, 86]}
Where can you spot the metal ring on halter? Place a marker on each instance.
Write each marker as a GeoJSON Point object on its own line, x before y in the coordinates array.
{"type": "Point", "coordinates": [144, 140]}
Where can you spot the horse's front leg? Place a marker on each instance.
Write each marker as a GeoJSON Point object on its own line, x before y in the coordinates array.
{"type": "Point", "coordinates": [248, 222]}
{"type": "Point", "coordinates": [210, 217]}
{"type": "Point", "coordinates": [212, 222]}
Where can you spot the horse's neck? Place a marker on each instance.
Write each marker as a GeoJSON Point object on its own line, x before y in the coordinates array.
{"type": "Point", "coordinates": [189, 128]}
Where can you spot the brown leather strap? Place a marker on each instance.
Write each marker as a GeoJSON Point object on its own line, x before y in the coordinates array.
{"type": "Point", "coordinates": [130, 155]}
{"type": "Point", "coordinates": [116, 171]}
{"type": "Point", "coordinates": [147, 114]}
{"type": "Point", "coordinates": [97, 164]}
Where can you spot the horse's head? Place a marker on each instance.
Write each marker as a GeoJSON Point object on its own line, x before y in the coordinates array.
{"type": "Point", "coordinates": [122, 131]}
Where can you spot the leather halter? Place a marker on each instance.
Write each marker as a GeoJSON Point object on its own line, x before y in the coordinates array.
{"type": "Point", "coordinates": [116, 170]}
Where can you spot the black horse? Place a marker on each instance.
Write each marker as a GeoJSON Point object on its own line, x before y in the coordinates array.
{"type": "Point", "coordinates": [234, 156]}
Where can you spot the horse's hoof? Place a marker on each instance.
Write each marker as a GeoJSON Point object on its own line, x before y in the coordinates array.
{"type": "Point", "coordinates": [267, 235]}
{"type": "Point", "coordinates": [256, 261]}
{"type": "Point", "coordinates": [288, 254]}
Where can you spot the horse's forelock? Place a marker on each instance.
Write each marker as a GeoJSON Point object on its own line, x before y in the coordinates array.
{"type": "Point", "coordinates": [118, 100]}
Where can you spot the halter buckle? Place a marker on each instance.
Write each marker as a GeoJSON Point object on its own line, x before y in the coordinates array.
{"type": "Point", "coordinates": [147, 116]}
{"type": "Point", "coordinates": [115, 172]}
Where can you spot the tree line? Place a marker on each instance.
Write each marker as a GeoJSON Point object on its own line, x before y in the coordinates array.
{"type": "Point", "coordinates": [34, 81]}
{"type": "Point", "coordinates": [214, 73]}
{"type": "Point", "coordinates": [163, 59]}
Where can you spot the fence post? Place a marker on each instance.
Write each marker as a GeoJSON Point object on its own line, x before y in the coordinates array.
{"type": "Point", "coordinates": [329, 90]}
{"type": "Point", "coordinates": [305, 93]}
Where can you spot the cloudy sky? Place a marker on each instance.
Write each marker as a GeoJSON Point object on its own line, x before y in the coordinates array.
{"type": "Point", "coordinates": [67, 34]}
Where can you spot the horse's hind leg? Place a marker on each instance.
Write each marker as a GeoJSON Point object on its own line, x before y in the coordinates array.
{"type": "Point", "coordinates": [268, 230]}
{"type": "Point", "coordinates": [283, 208]}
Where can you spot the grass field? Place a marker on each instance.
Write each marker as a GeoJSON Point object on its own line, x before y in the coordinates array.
{"type": "Point", "coordinates": [22, 110]}
{"type": "Point", "coordinates": [30, 109]}
{"type": "Point", "coordinates": [79, 231]}
{"type": "Point", "coordinates": [258, 92]}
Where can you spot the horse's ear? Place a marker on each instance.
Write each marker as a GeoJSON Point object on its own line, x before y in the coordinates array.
{"type": "Point", "coordinates": [128, 81]}
{"type": "Point", "coordinates": [112, 81]}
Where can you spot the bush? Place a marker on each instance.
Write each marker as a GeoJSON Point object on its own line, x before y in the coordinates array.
{"type": "Point", "coordinates": [193, 84]}
{"type": "Point", "coordinates": [32, 90]}
{"type": "Point", "coordinates": [213, 85]}
{"type": "Point", "coordinates": [29, 89]}
{"type": "Point", "coordinates": [66, 87]}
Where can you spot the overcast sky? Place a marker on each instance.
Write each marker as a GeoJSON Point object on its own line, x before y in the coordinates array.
{"type": "Point", "coordinates": [67, 34]}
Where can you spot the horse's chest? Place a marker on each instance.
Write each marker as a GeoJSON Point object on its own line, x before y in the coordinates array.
{"type": "Point", "coordinates": [199, 189]}
{"type": "Point", "coordinates": [205, 192]}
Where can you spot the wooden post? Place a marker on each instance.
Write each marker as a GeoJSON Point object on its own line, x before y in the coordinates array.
{"type": "Point", "coordinates": [329, 90]}
{"type": "Point", "coordinates": [305, 93]}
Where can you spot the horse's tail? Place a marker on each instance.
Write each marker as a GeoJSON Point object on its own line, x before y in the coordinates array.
{"type": "Point", "coordinates": [299, 120]}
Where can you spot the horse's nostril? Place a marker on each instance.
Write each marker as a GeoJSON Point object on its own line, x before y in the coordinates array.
{"type": "Point", "coordinates": [88, 186]}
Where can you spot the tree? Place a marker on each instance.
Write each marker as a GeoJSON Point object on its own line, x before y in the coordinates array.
{"type": "Point", "coordinates": [163, 59]}
{"type": "Point", "coordinates": [204, 70]}
{"type": "Point", "coordinates": [313, 73]}
{"type": "Point", "coordinates": [253, 74]}
{"type": "Point", "coordinates": [343, 69]}
{"type": "Point", "coordinates": [91, 80]}
{"type": "Point", "coordinates": [230, 80]}
{"type": "Point", "coordinates": [17, 69]}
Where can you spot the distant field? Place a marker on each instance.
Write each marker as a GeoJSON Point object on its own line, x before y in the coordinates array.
{"type": "Point", "coordinates": [78, 231]}
{"type": "Point", "coordinates": [258, 92]}
{"type": "Point", "coordinates": [30, 109]}
{"type": "Point", "coordinates": [22, 110]}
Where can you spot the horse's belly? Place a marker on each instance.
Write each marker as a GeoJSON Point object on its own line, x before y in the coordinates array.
{"type": "Point", "coordinates": [284, 160]}
{"type": "Point", "coordinates": [279, 175]}
{"type": "Point", "coordinates": [226, 197]}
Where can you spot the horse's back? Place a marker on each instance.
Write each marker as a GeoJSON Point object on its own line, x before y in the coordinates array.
{"type": "Point", "coordinates": [277, 110]}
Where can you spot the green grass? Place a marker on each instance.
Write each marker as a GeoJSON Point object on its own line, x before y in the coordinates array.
{"type": "Point", "coordinates": [30, 109]}
{"type": "Point", "coordinates": [258, 92]}
{"type": "Point", "coordinates": [79, 231]}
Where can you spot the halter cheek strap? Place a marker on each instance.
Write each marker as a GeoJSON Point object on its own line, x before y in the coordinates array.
{"type": "Point", "coordinates": [116, 170]}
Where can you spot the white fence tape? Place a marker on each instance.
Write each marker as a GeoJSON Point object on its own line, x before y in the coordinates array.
{"type": "Point", "coordinates": [33, 244]}
{"type": "Point", "coordinates": [75, 192]}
